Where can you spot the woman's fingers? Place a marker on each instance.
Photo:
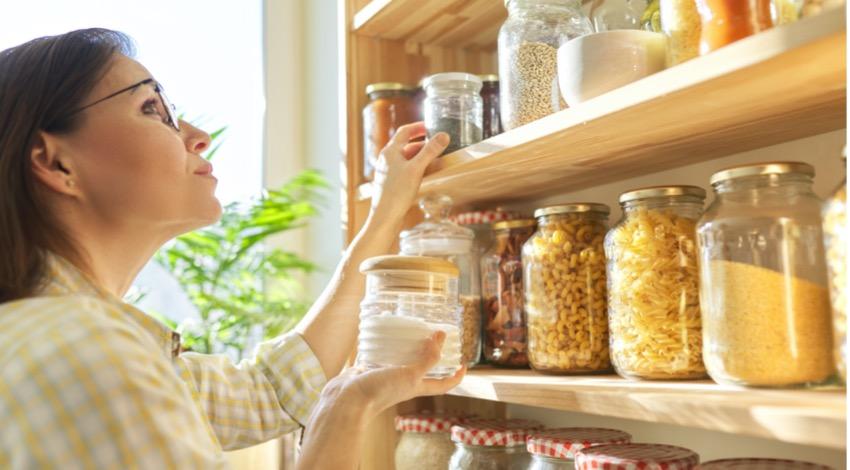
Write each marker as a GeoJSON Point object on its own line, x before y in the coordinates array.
{"type": "Point", "coordinates": [441, 386]}
{"type": "Point", "coordinates": [405, 134]}
{"type": "Point", "coordinates": [410, 150]}
{"type": "Point", "coordinates": [431, 150]}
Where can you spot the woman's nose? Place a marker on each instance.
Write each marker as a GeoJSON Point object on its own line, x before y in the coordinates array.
{"type": "Point", "coordinates": [196, 140]}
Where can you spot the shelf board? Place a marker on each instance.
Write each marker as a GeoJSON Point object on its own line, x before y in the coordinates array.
{"type": "Point", "coordinates": [784, 84]}
{"type": "Point", "coordinates": [810, 417]}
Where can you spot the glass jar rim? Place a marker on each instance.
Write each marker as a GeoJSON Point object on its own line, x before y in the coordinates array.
{"type": "Point", "coordinates": [514, 224]}
{"type": "Point", "coordinates": [546, 2]}
{"type": "Point", "coordinates": [661, 191]}
{"type": "Point", "coordinates": [452, 77]}
{"type": "Point", "coordinates": [571, 208]}
{"type": "Point", "coordinates": [424, 264]}
{"type": "Point", "coordinates": [762, 169]}
{"type": "Point", "coordinates": [387, 86]}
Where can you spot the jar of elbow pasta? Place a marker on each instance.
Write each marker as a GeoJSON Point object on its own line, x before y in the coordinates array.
{"type": "Point", "coordinates": [653, 284]}
{"type": "Point", "coordinates": [564, 271]}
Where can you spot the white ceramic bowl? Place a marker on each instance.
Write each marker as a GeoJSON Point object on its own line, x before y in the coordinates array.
{"type": "Point", "coordinates": [591, 65]}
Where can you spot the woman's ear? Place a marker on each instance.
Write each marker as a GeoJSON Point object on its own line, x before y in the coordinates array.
{"type": "Point", "coordinates": [51, 168]}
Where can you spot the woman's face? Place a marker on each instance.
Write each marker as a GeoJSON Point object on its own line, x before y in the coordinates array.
{"type": "Point", "coordinates": [133, 169]}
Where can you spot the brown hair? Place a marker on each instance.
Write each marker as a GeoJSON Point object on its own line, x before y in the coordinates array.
{"type": "Point", "coordinates": [41, 83]}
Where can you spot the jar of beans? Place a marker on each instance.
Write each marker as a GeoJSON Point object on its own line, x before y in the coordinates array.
{"type": "Point", "coordinates": [565, 290]}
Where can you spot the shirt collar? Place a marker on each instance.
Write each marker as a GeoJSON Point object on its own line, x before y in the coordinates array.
{"type": "Point", "coordinates": [64, 278]}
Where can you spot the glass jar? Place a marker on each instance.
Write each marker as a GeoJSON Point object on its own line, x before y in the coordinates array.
{"type": "Point", "coordinates": [555, 449]}
{"type": "Point", "coordinates": [565, 299]}
{"type": "Point", "coordinates": [437, 236]}
{"type": "Point", "coordinates": [486, 444]}
{"type": "Point", "coordinates": [454, 106]}
{"type": "Point", "coordinates": [653, 284]}
{"type": "Point", "coordinates": [681, 22]}
{"type": "Point", "coordinates": [426, 441]}
{"type": "Point", "coordinates": [609, 15]}
{"type": "Point", "coordinates": [390, 106]}
{"type": "Point", "coordinates": [761, 464]}
{"type": "Point", "coordinates": [786, 11]}
{"type": "Point", "coordinates": [835, 241]}
{"type": "Point", "coordinates": [528, 50]}
{"type": "Point", "coordinates": [726, 21]}
{"type": "Point", "coordinates": [766, 314]}
{"type": "Point", "coordinates": [636, 456]}
{"type": "Point", "coordinates": [408, 299]}
{"type": "Point", "coordinates": [505, 330]}
{"type": "Point", "coordinates": [490, 99]}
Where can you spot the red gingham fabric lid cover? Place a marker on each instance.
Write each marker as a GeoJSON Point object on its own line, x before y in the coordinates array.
{"type": "Point", "coordinates": [762, 464]}
{"type": "Point", "coordinates": [563, 443]}
{"type": "Point", "coordinates": [481, 217]}
{"type": "Point", "coordinates": [426, 421]}
{"type": "Point", "coordinates": [494, 432]}
{"type": "Point", "coordinates": [636, 457]}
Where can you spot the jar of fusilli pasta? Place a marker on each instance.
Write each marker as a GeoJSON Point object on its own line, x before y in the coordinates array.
{"type": "Point", "coordinates": [653, 284]}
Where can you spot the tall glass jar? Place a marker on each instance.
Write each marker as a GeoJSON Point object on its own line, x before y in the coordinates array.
{"type": "Point", "coordinates": [528, 52]}
{"type": "Point", "coordinates": [438, 237]}
{"type": "Point", "coordinates": [653, 284]}
{"type": "Point", "coordinates": [565, 290]}
{"type": "Point", "coordinates": [425, 442]}
{"type": "Point", "coordinates": [486, 444]}
{"type": "Point", "coordinates": [682, 24]}
{"type": "Point", "coordinates": [454, 106]}
{"type": "Point", "coordinates": [490, 98]}
{"type": "Point", "coordinates": [391, 105]}
{"type": "Point", "coordinates": [766, 314]}
{"type": "Point", "coordinates": [505, 330]}
{"type": "Point", "coordinates": [408, 299]}
{"type": "Point", "coordinates": [555, 449]}
{"type": "Point", "coordinates": [836, 237]}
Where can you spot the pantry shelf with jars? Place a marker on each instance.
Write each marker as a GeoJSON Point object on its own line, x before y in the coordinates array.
{"type": "Point", "coordinates": [698, 331]}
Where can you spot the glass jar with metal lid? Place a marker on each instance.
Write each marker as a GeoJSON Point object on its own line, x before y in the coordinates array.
{"type": "Point", "coordinates": [408, 299]}
{"type": "Point", "coordinates": [453, 105]}
{"type": "Point", "coordinates": [653, 284]}
{"type": "Point", "coordinates": [766, 313]}
{"type": "Point", "coordinates": [492, 444]}
{"type": "Point", "coordinates": [505, 330]}
{"type": "Point", "coordinates": [836, 238]}
{"type": "Point", "coordinates": [565, 290]}
{"type": "Point", "coordinates": [555, 449]}
{"type": "Point", "coordinates": [391, 105]}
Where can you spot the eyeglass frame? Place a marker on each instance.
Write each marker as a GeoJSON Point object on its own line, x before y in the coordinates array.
{"type": "Point", "coordinates": [170, 110]}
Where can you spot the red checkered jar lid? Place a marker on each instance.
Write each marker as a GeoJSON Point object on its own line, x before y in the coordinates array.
{"type": "Point", "coordinates": [430, 421]}
{"type": "Point", "coordinates": [564, 443]}
{"type": "Point", "coordinates": [481, 217]}
{"type": "Point", "coordinates": [761, 464]}
{"type": "Point", "coordinates": [494, 432]}
{"type": "Point", "coordinates": [636, 457]}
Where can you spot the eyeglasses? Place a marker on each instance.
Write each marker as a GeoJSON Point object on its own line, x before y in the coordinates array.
{"type": "Point", "coordinates": [166, 110]}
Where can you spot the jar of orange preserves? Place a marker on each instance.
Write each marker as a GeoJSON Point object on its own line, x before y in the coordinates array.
{"type": "Point", "coordinates": [726, 21]}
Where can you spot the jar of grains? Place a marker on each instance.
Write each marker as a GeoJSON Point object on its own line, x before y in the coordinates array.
{"type": "Point", "coordinates": [425, 442]}
{"type": "Point", "coordinates": [681, 22]}
{"type": "Point", "coordinates": [505, 332]}
{"type": "Point", "coordinates": [555, 449]}
{"type": "Point", "coordinates": [490, 97]}
{"type": "Point", "coordinates": [390, 106]}
{"type": "Point", "coordinates": [565, 300]}
{"type": "Point", "coordinates": [653, 284]}
{"type": "Point", "coordinates": [632, 456]}
{"type": "Point", "coordinates": [835, 240]}
{"type": "Point", "coordinates": [496, 444]}
{"type": "Point", "coordinates": [764, 294]}
{"type": "Point", "coordinates": [453, 105]}
{"type": "Point", "coordinates": [528, 56]}
{"type": "Point", "coordinates": [438, 237]}
{"type": "Point", "coordinates": [761, 464]}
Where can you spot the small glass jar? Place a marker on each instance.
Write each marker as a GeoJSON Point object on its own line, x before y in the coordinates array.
{"type": "Point", "coordinates": [486, 444]}
{"type": "Point", "coordinates": [681, 22]}
{"type": "Point", "coordinates": [565, 290]}
{"type": "Point", "coordinates": [766, 314]}
{"type": "Point", "coordinates": [425, 442]}
{"type": "Point", "coordinates": [505, 330]}
{"type": "Point", "coordinates": [438, 237]}
{"type": "Point", "coordinates": [786, 11]}
{"type": "Point", "coordinates": [454, 106]}
{"type": "Point", "coordinates": [761, 464]}
{"type": "Point", "coordinates": [653, 284]}
{"type": "Point", "coordinates": [555, 449]}
{"type": "Point", "coordinates": [836, 237]}
{"type": "Point", "coordinates": [610, 15]}
{"type": "Point", "coordinates": [636, 456]}
{"type": "Point", "coordinates": [726, 21]}
{"type": "Point", "coordinates": [528, 56]}
{"type": "Point", "coordinates": [391, 105]}
{"type": "Point", "coordinates": [408, 299]}
{"type": "Point", "coordinates": [490, 98]}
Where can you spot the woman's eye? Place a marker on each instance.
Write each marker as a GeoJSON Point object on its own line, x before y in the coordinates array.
{"type": "Point", "coordinates": [149, 107]}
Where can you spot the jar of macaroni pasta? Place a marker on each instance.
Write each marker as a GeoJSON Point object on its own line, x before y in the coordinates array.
{"type": "Point", "coordinates": [653, 284]}
{"type": "Point", "coordinates": [555, 449]}
{"type": "Point", "coordinates": [426, 441]}
{"type": "Point", "coordinates": [497, 444]}
{"type": "Point", "coordinates": [565, 299]}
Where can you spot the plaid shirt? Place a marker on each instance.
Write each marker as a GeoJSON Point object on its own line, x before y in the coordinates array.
{"type": "Point", "coordinates": [88, 381]}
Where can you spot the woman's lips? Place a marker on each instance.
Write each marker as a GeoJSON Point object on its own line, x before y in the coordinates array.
{"type": "Point", "coordinates": [205, 170]}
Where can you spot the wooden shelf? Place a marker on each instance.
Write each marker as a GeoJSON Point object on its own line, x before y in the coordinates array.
{"type": "Point", "coordinates": [454, 23]}
{"type": "Point", "coordinates": [798, 416]}
{"type": "Point", "coordinates": [784, 84]}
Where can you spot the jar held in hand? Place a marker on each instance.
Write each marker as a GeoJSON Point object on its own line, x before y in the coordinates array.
{"type": "Point", "coordinates": [454, 106]}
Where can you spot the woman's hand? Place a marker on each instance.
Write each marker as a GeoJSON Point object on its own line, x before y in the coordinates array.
{"type": "Point", "coordinates": [400, 169]}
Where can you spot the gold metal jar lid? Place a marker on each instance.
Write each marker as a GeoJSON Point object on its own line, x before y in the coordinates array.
{"type": "Point", "coordinates": [759, 169]}
{"type": "Point", "coordinates": [572, 208]}
{"type": "Point", "coordinates": [514, 224]}
{"type": "Point", "coordinates": [661, 191]}
{"type": "Point", "coordinates": [386, 86]}
{"type": "Point", "coordinates": [489, 78]}
{"type": "Point", "coordinates": [409, 263]}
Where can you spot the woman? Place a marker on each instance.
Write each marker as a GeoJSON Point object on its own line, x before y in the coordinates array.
{"type": "Point", "coordinates": [96, 173]}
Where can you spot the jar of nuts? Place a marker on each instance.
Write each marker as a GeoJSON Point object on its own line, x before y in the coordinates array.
{"type": "Point", "coordinates": [505, 329]}
{"type": "Point", "coordinates": [564, 269]}
{"type": "Point", "coordinates": [653, 284]}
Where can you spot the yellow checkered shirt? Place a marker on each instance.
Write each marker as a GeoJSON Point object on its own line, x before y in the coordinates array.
{"type": "Point", "coordinates": [88, 381]}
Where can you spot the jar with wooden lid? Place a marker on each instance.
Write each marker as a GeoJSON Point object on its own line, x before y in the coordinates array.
{"type": "Point", "coordinates": [408, 299]}
{"type": "Point", "coordinates": [555, 449]}
{"type": "Point", "coordinates": [390, 106]}
{"type": "Point", "coordinates": [653, 284]}
{"type": "Point", "coordinates": [836, 238]}
{"type": "Point", "coordinates": [492, 444]}
{"type": "Point", "coordinates": [565, 290]}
